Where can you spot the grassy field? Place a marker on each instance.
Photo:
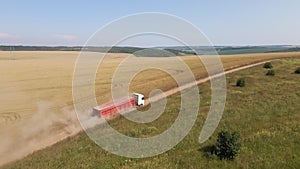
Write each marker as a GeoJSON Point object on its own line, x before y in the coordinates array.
{"type": "Point", "coordinates": [265, 112]}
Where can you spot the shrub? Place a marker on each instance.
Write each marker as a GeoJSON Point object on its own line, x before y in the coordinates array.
{"type": "Point", "coordinates": [241, 82]}
{"type": "Point", "coordinates": [268, 65]}
{"type": "Point", "coordinates": [228, 145]}
{"type": "Point", "coordinates": [297, 71]}
{"type": "Point", "coordinates": [270, 73]}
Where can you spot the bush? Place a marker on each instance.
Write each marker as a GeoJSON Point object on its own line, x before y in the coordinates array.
{"type": "Point", "coordinates": [270, 73]}
{"type": "Point", "coordinates": [297, 71]}
{"type": "Point", "coordinates": [241, 82]}
{"type": "Point", "coordinates": [228, 145]}
{"type": "Point", "coordinates": [268, 65]}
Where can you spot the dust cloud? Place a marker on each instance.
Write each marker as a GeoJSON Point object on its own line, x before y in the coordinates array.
{"type": "Point", "coordinates": [44, 128]}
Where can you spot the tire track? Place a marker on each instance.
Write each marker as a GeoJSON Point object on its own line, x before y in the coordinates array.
{"type": "Point", "coordinates": [9, 117]}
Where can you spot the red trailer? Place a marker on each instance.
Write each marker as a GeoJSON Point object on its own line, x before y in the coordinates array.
{"type": "Point", "coordinates": [114, 107]}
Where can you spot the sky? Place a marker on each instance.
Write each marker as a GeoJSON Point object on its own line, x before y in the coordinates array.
{"type": "Point", "coordinates": [71, 23]}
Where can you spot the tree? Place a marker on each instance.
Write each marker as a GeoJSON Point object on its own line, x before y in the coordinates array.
{"type": "Point", "coordinates": [268, 65]}
{"type": "Point", "coordinates": [241, 82]}
{"type": "Point", "coordinates": [228, 144]}
{"type": "Point", "coordinates": [270, 73]}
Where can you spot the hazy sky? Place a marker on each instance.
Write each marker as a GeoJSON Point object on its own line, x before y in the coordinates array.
{"type": "Point", "coordinates": [227, 22]}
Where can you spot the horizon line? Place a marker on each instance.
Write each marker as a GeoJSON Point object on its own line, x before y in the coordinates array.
{"type": "Point", "coordinates": [124, 46]}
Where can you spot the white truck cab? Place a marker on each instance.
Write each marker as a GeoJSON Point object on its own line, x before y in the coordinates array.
{"type": "Point", "coordinates": [139, 99]}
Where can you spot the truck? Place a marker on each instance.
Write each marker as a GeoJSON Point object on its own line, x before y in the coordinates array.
{"type": "Point", "coordinates": [119, 105]}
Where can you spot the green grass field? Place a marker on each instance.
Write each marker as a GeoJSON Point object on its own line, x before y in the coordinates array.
{"type": "Point", "coordinates": [266, 113]}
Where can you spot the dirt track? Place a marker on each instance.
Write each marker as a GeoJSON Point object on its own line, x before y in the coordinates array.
{"type": "Point", "coordinates": [203, 80]}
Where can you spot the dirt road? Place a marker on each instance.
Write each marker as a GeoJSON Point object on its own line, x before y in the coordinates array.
{"type": "Point", "coordinates": [203, 80]}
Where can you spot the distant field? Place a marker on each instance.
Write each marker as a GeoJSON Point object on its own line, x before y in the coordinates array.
{"type": "Point", "coordinates": [36, 93]}
{"type": "Point", "coordinates": [267, 116]}
{"type": "Point", "coordinates": [177, 50]}
{"type": "Point", "coordinates": [245, 50]}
